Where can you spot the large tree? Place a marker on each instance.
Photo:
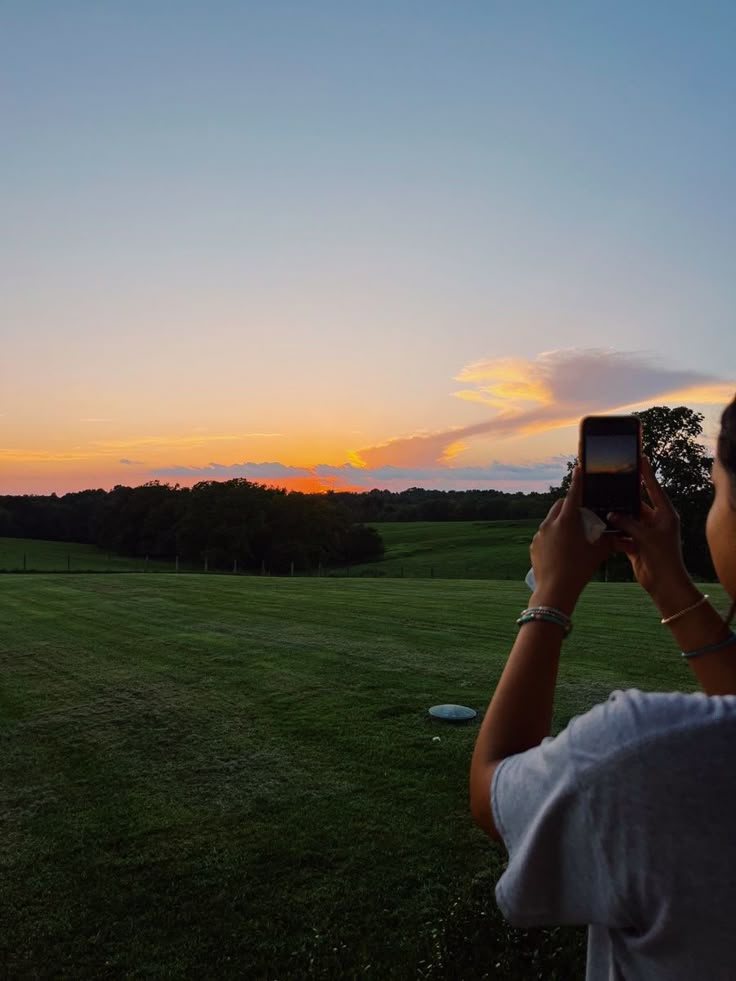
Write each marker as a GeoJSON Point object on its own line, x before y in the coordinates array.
{"type": "Point", "coordinates": [670, 440]}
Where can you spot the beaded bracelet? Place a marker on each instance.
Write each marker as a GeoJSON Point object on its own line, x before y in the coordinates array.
{"type": "Point", "coordinates": [547, 609]}
{"type": "Point", "coordinates": [531, 616]}
{"type": "Point", "coordinates": [711, 648]}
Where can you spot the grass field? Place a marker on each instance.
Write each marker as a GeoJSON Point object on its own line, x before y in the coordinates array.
{"type": "Point", "coordinates": [453, 549]}
{"type": "Point", "coordinates": [40, 556]}
{"type": "Point", "coordinates": [423, 549]}
{"type": "Point", "coordinates": [236, 777]}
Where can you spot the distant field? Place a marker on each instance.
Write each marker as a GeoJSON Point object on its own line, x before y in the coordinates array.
{"type": "Point", "coordinates": [236, 777]}
{"type": "Point", "coordinates": [17, 553]}
{"type": "Point", "coordinates": [423, 549]}
{"type": "Point", "coordinates": [453, 549]}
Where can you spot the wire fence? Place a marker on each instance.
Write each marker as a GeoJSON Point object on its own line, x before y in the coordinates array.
{"type": "Point", "coordinates": [58, 561]}
{"type": "Point", "coordinates": [79, 564]}
{"type": "Point", "coordinates": [32, 563]}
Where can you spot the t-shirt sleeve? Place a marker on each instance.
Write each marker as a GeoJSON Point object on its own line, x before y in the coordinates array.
{"type": "Point", "coordinates": [556, 872]}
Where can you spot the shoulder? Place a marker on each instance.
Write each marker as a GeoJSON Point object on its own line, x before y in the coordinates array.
{"type": "Point", "coordinates": [630, 720]}
{"type": "Point", "coordinates": [626, 732]}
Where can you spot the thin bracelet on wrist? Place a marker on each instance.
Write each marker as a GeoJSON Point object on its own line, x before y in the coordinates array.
{"type": "Point", "coordinates": [688, 609]}
{"type": "Point", "coordinates": [711, 648]}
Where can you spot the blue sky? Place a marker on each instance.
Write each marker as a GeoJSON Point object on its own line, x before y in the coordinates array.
{"type": "Point", "coordinates": [242, 234]}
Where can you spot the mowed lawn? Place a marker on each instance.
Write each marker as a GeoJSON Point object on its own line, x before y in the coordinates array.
{"type": "Point", "coordinates": [220, 777]}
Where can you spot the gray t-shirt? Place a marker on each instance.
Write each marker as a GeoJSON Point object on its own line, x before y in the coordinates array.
{"type": "Point", "coordinates": [626, 821]}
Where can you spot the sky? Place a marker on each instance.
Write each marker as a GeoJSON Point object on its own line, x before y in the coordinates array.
{"type": "Point", "coordinates": [343, 246]}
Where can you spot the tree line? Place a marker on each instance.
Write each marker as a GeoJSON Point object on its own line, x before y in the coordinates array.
{"type": "Point", "coordinates": [420, 504]}
{"type": "Point", "coordinates": [258, 526]}
{"type": "Point", "coordinates": [220, 521]}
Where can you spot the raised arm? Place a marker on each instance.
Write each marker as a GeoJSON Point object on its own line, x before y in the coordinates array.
{"type": "Point", "coordinates": [520, 713]}
{"type": "Point", "coordinates": [655, 552]}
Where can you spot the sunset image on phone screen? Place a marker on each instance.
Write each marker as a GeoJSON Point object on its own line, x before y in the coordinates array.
{"type": "Point", "coordinates": [615, 454]}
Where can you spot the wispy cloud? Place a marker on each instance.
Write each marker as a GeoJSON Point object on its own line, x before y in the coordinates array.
{"type": "Point", "coordinates": [23, 456]}
{"type": "Point", "coordinates": [132, 463]}
{"type": "Point", "coordinates": [544, 470]}
{"type": "Point", "coordinates": [229, 471]}
{"type": "Point", "coordinates": [548, 392]}
{"type": "Point", "coordinates": [192, 440]}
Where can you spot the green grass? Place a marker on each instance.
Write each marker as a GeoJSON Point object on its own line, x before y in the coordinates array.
{"type": "Point", "coordinates": [453, 550]}
{"type": "Point", "coordinates": [236, 777]}
{"type": "Point", "coordinates": [17, 554]}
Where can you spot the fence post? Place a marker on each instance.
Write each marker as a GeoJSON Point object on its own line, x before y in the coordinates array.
{"type": "Point", "coordinates": [319, 569]}
{"type": "Point", "coordinates": [235, 567]}
{"type": "Point", "coordinates": [292, 569]}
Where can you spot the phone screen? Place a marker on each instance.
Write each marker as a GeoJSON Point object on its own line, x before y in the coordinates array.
{"type": "Point", "coordinates": [611, 480]}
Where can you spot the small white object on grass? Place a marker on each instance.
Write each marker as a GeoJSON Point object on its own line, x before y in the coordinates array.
{"type": "Point", "coordinates": [593, 527]}
{"type": "Point", "coordinates": [435, 739]}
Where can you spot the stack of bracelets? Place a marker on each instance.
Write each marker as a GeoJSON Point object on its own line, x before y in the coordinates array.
{"type": "Point", "coordinates": [547, 613]}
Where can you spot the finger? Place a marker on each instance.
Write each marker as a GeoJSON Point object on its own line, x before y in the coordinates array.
{"type": "Point", "coordinates": [574, 500]}
{"type": "Point", "coordinates": [655, 490]}
{"type": "Point", "coordinates": [626, 545]}
{"type": "Point", "coordinates": [553, 512]}
{"type": "Point", "coordinates": [625, 523]}
{"type": "Point", "coordinates": [647, 518]}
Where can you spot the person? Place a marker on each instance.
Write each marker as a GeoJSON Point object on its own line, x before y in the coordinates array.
{"type": "Point", "coordinates": [626, 820]}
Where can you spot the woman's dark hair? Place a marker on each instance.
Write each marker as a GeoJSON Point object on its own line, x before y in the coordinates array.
{"type": "Point", "coordinates": [727, 442]}
{"type": "Point", "coordinates": [727, 457]}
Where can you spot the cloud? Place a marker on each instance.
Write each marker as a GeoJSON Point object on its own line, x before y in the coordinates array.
{"type": "Point", "coordinates": [548, 392]}
{"type": "Point", "coordinates": [180, 441]}
{"type": "Point", "coordinates": [132, 463]}
{"type": "Point", "coordinates": [544, 470]}
{"type": "Point", "coordinates": [324, 477]}
{"type": "Point", "coordinates": [23, 456]}
{"type": "Point", "coordinates": [230, 471]}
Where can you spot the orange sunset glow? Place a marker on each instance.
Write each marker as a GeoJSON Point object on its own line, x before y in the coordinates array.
{"type": "Point", "coordinates": [513, 429]}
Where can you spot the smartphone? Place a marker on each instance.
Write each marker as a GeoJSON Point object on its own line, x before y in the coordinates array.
{"type": "Point", "coordinates": [610, 458]}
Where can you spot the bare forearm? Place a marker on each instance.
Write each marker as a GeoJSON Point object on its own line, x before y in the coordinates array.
{"type": "Point", "coordinates": [520, 713]}
{"type": "Point", "coordinates": [701, 627]}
